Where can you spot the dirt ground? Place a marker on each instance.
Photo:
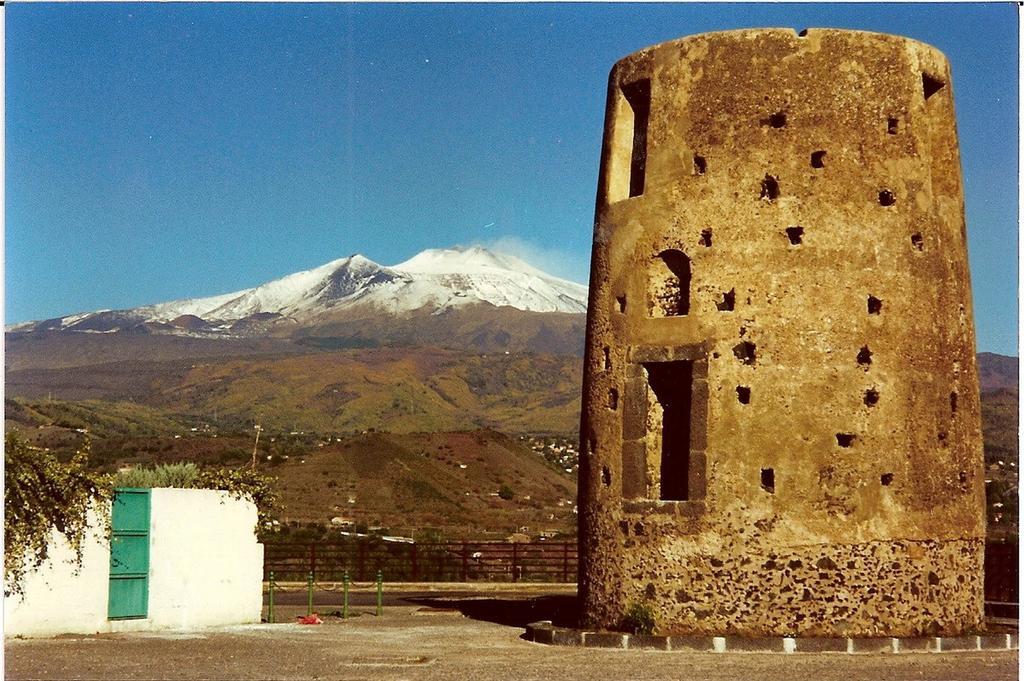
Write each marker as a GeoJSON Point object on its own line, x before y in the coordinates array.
{"type": "Point", "coordinates": [423, 642]}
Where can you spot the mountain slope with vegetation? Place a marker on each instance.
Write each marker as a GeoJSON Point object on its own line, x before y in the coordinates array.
{"type": "Point", "coordinates": [393, 389]}
{"type": "Point", "coordinates": [320, 411]}
{"type": "Point", "coordinates": [466, 484]}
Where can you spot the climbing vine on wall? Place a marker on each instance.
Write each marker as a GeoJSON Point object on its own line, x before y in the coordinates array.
{"type": "Point", "coordinates": [242, 483]}
{"type": "Point", "coordinates": [41, 495]}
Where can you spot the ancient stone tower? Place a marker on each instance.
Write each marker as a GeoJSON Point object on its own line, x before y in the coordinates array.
{"type": "Point", "coordinates": [781, 430]}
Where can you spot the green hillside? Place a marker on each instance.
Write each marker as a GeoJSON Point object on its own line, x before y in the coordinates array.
{"type": "Point", "coordinates": [449, 481]}
{"type": "Point", "coordinates": [386, 389]}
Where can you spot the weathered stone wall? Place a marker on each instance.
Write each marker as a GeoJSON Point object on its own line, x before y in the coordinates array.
{"type": "Point", "coordinates": [779, 282]}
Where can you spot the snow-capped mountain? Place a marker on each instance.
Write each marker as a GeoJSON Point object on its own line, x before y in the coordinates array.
{"type": "Point", "coordinates": [435, 280]}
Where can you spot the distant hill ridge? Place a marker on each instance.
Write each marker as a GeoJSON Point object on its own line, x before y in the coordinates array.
{"type": "Point", "coordinates": [998, 372]}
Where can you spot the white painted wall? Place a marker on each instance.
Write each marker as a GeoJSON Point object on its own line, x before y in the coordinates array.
{"type": "Point", "coordinates": [206, 569]}
{"type": "Point", "coordinates": [59, 598]}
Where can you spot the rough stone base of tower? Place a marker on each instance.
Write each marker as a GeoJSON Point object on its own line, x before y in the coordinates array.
{"type": "Point", "coordinates": [719, 586]}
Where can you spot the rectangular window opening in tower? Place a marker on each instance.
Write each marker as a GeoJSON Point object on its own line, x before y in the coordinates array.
{"type": "Point", "coordinates": [627, 162]}
{"type": "Point", "coordinates": [638, 95]}
{"type": "Point", "coordinates": [671, 385]}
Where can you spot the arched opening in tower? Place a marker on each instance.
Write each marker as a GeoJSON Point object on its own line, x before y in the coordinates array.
{"type": "Point", "coordinates": [669, 285]}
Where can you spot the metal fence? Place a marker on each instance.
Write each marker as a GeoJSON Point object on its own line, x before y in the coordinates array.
{"type": "Point", "coordinates": [504, 562]}
{"type": "Point", "coordinates": [421, 562]}
{"type": "Point", "coordinates": [1001, 568]}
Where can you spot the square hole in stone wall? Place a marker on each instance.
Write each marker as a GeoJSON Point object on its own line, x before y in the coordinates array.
{"type": "Point", "coordinates": [746, 352]}
{"type": "Point", "coordinates": [700, 164]}
{"type": "Point", "coordinates": [728, 301]}
{"type": "Point", "coordinates": [931, 85]}
{"type": "Point", "coordinates": [770, 188]}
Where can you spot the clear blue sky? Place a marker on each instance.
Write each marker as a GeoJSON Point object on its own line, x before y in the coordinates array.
{"type": "Point", "coordinates": [161, 151]}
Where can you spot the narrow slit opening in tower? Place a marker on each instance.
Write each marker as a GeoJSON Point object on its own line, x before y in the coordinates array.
{"type": "Point", "coordinates": [917, 241]}
{"type": "Point", "coordinates": [893, 126]}
{"type": "Point", "coordinates": [817, 159]}
{"type": "Point", "coordinates": [613, 399]}
{"type": "Point", "coordinates": [864, 356]}
{"type": "Point", "coordinates": [743, 394]}
{"type": "Point", "coordinates": [874, 305]}
{"type": "Point", "coordinates": [705, 237]}
{"type": "Point", "coordinates": [607, 359]}
{"type": "Point", "coordinates": [728, 301]}
{"type": "Point", "coordinates": [795, 234]}
{"type": "Point", "coordinates": [768, 480]}
{"type": "Point", "coordinates": [672, 386]}
{"type": "Point", "coordinates": [669, 285]}
{"type": "Point", "coordinates": [621, 300]}
{"type": "Point", "coordinates": [952, 402]}
{"type": "Point", "coordinates": [770, 188]}
{"type": "Point", "coordinates": [931, 85]}
{"type": "Point", "coordinates": [606, 476]}
{"type": "Point", "coordinates": [700, 164]}
{"type": "Point", "coordinates": [638, 97]}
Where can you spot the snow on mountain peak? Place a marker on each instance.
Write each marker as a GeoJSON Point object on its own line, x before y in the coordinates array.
{"type": "Point", "coordinates": [462, 260]}
{"type": "Point", "coordinates": [435, 278]}
{"type": "Point", "coordinates": [475, 274]}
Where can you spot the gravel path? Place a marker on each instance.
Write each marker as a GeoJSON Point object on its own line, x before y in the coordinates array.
{"type": "Point", "coordinates": [411, 642]}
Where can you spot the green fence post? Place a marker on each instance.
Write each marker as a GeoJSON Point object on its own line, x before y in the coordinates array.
{"type": "Point", "coordinates": [344, 603]}
{"type": "Point", "coordinates": [309, 592]}
{"type": "Point", "coordinates": [270, 607]}
{"type": "Point", "coordinates": [380, 593]}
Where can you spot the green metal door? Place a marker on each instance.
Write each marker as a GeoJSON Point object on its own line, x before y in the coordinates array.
{"type": "Point", "coordinates": [129, 555]}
